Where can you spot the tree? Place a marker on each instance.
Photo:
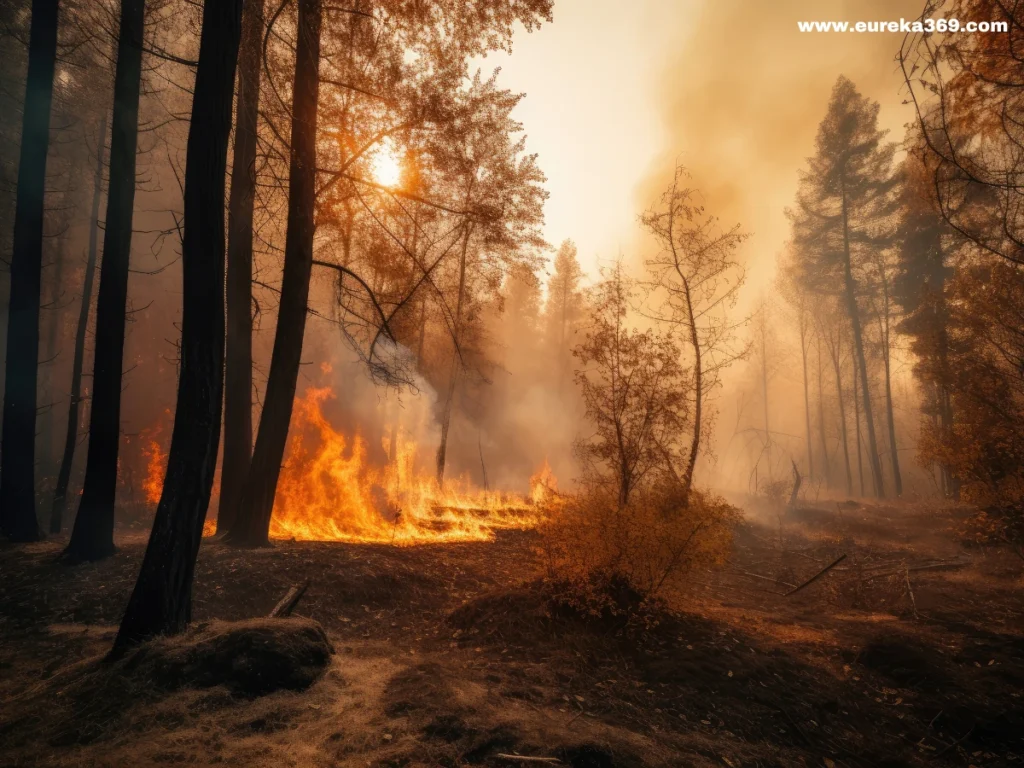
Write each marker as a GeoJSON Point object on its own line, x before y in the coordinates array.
{"type": "Point", "coordinates": [832, 333]}
{"type": "Point", "coordinates": [926, 253]}
{"type": "Point", "coordinates": [564, 306]}
{"type": "Point", "coordinates": [261, 483]}
{"type": "Point", "coordinates": [17, 449]}
{"type": "Point", "coordinates": [796, 296]}
{"type": "Point", "coordinates": [967, 93]}
{"type": "Point", "coordinates": [93, 535]}
{"type": "Point", "coordinates": [238, 355]}
{"type": "Point", "coordinates": [635, 392]}
{"type": "Point", "coordinates": [161, 602]}
{"type": "Point", "coordinates": [699, 277]}
{"type": "Point", "coordinates": [71, 433]}
{"type": "Point", "coordinates": [844, 204]}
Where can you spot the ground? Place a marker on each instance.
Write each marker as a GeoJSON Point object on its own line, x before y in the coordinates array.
{"type": "Point", "coordinates": [910, 652]}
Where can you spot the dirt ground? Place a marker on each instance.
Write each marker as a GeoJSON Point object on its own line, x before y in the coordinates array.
{"type": "Point", "coordinates": [909, 652]}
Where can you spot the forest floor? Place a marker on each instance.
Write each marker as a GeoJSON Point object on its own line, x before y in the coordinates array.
{"type": "Point", "coordinates": [908, 653]}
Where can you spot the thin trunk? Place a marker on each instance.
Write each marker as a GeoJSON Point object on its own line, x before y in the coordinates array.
{"type": "Point", "coordinates": [423, 331]}
{"type": "Point", "coordinates": [851, 308]}
{"type": "Point", "coordinates": [764, 394]}
{"type": "Point", "coordinates": [238, 352]}
{"type": "Point", "coordinates": [71, 433]}
{"type": "Point", "coordinates": [252, 521]}
{"type": "Point", "coordinates": [856, 419]}
{"type": "Point", "coordinates": [893, 450]}
{"type": "Point", "coordinates": [821, 421]}
{"type": "Point", "coordinates": [453, 376]}
{"type": "Point", "coordinates": [807, 394]}
{"type": "Point", "coordinates": [53, 343]}
{"type": "Point", "coordinates": [18, 519]}
{"type": "Point", "coordinates": [93, 535]}
{"type": "Point", "coordinates": [837, 367]}
{"type": "Point", "coordinates": [161, 602]}
{"type": "Point", "coordinates": [698, 395]}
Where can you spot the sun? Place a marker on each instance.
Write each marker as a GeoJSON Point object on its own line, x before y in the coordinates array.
{"type": "Point", "coordinates": [387, 168]}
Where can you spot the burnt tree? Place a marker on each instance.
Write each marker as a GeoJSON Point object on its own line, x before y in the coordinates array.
{"type": "Point", "coordinates": [93, 535]}
{"type": "Point", "coordinates": [17, 451]}
{"type": "Point", "coordinates": [161, 602]}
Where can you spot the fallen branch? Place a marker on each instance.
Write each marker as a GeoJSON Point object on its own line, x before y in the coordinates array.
{"type": "Point", "coordinates": [763, 578]}
{"type": "Point", "coordinates": [287, 604]}
{"type": "Point", "coordinates": [525, 759]}
{"type": "Point", "coordinates": [818, 575]}
{"type": "Point", "coordinates": [950, 566]}
{"type": "Point", "coordinates": [797, 480]}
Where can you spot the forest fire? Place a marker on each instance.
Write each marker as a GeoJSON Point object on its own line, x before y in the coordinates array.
{"type": "Point", "coordinates": [330, 491]}
{"type": "Point", "coordinates": [156, 464]}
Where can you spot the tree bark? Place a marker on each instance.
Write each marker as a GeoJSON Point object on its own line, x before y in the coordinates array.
{"type": "Point", "coordinates": [71, 433]}
{"type": "Point", "coordinates": [238, 355]}
{"type": "Point", "coordinates": [850, 288]}
{"type": "Point", "coordinates": [18, 519]}
{"type": "Point", "coordinates": [698, 392]}
{"type": "Point", "coordinates": [252, 519]}
{"type": "Point", "coordinates": [92, 537]}
{"type": "Point", "coordinates": [161, 602]}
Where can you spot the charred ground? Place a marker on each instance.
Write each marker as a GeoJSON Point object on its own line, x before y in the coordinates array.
{"type": "Point", "coordinates": [910, 652]}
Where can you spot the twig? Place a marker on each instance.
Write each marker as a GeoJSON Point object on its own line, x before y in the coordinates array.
{"type": "Point", "coordinates": [764, 578]}
{"type": "Point", "coordinates": [913, 602]}
{"type": "Point", "coordinates": [818, 575]}
{"type": "Point", "coordinates": [525, 759]}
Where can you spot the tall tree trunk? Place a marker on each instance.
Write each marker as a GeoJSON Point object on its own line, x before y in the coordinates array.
{"type": "Point", "coordinates": [71, 433]}
{"type": "Point", "coordinates": [161, 602]}
{"type": "Point", "coordinates": [453, 376]}
{"type": "Point", "coordinates": [851, 308]}
{"type": "Point", "coordinates": [18, 519]}
{"type": "Point", "coordinates": [893, 450]}
{"type": "Point", "coordinates": [821, 421]}
{"type": "Point", "coordinates": [856, 420]}
{"type": "Point", "coordinates": [238, 354]}
{"type": "Point", "coordinates": [764, 392]}
{"type": "Point", "coordinates": [837, 367]}
{"type": "Point", "coordinates": [92, 538]}
{"type": "Point", "coordinates": [252, 519]}
{"type": "Point", "coordinates": [698, 391]}
{"type": "Point", "coordinates": [807, 393]}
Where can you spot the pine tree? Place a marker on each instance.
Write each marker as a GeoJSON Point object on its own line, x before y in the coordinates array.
{"type": "Point", "coordinates": [842, 216]}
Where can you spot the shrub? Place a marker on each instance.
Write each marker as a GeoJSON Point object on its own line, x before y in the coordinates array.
{"type": "Point", "coordinates": [596, 551]}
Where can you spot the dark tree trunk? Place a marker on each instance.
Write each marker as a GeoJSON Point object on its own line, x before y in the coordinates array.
{"type": "Point", "coordinates": [238, 355]}
{"type": "Point", "coordinates": [161, 602]}
{"type": "Point", "coordinates": [18, 519]}
{"type": "Point", "coordinates": [807, 393]}
{"type": "Point", "coordinates": [92, 537]}
{"type": "Point", "coordinates": [856, 421]}
{"type": "Point", "coordinates": [897, 477]}
{"type": "Point", "coordinates": [252, 522]}
{"type": "Point", "coordinates": [71, 434]}
{"type": "Point", "coordinates": [838, 369]}
{"type": "Point", "coordinates": [821, 422]}
{"type": "Point", "coordinates": [850, 288]}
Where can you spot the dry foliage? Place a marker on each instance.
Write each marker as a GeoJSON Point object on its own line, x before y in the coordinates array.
{"type": "Point", "coordinates": [609, 558]}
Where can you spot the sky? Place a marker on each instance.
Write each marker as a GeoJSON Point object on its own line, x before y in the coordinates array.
{"type": "Point", "coordinates": [616, 92]}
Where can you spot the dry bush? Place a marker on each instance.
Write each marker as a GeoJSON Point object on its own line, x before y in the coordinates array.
{"type": "Point", "coordinates": [607, 558]}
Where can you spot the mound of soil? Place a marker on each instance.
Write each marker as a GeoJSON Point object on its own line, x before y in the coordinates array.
{"type": "Point", "coordinates": [249, 658]}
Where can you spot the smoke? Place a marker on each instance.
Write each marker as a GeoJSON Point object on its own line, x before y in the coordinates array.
{"type": "Point", "coordinates": [741, 101]}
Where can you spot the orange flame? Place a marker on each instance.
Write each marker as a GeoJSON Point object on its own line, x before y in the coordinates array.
{"type": "Point", "coordinates": [156, 463]}
{"type": "Point", "coordinates": [329, 491]}
{"type": "Point", "coordinates": [543, 485]}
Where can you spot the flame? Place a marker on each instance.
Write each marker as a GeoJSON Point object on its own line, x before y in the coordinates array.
{"type": "Point", "coordinates": [329, 491]}
{"type": "Point", "coordinates": [156, 463]}
{"type": "Point", "coordinates": [543, 485]}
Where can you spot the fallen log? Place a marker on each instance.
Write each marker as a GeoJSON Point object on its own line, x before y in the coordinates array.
{"type": "Point", "coordinates": [818, 575]}
{"type": "Point", "coordinates": [287, 604]}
